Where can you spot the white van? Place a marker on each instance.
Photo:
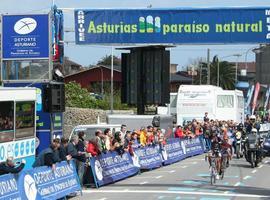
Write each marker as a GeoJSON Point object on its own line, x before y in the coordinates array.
{"type": "Point", "coordinates": [90, 129]}
{"type": "Point", "coordinates": [194, 100]}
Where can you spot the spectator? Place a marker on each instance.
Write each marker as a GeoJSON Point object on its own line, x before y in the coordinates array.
{"type": "Point", "coordinates": [123, 132]}
{"type": "Point", "coordinates": [179, 132]}
{"type": "Point", "coordinates": [78, 156]}
{"type": "Point", "coordinates": [143, 137]}
{"type": "Point", "coordinates": [9, 167]}
{"type": "Point", "coordinates": [134, 139]}
{"type": "Point", "coordinates": [50, 156]}
{"type": "Point", "coordinates": [108, 138]}
{"type": "Point", "coordinates": [100, 141]}
{"type": "Point", "coordinates": [206, 118]}
{"type": "Point", "coordinates": [63, 150]}
{"type": "Point", "coordinates": [92, 148]}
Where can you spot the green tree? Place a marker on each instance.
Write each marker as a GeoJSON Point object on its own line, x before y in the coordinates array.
{"type": "Point", "coordinates": [226, 75]}
{"type": "Point", "coordinates": [106, 60]}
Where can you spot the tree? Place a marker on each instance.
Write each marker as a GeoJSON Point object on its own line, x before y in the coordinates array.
{"type": "Point", "coordinates": [106, 60]}
{"type": "Point", "coordinates": [226, 75]}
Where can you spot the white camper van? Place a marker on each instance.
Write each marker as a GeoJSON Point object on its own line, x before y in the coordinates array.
{"type": "Point", "coordinates": [194, 100]}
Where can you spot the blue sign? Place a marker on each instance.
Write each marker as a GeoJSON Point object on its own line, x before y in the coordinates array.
{"type": "Point", "coordinates": [193, 146]}
{"type": "Point", "coordinates": [173, 26]}
{"type": "Point", "coordinates": [9, 188]}
{"type": "Point", "coordinates": [172, 151]}
{"type": "Point", "coordinates": [45, 183]}
{"type": "Point", "coordinates": [110, 167]}
{"type": "Point", "coordinates": [149, 157]}
{"type": "Point", "coordinates": [25, 36]}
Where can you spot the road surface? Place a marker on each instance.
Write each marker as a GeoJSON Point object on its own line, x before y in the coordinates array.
{"type": "Point", "coordinates": [189, 180]}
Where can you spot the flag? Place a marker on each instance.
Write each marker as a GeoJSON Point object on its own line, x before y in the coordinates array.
{"type": "Point", "coordinates": [256, 93]}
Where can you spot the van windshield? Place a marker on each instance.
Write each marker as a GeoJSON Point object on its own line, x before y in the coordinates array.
{"type": "Point", "coordinates": [90, 132]}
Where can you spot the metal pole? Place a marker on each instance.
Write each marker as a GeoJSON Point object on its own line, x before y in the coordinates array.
{"type": "Point", "coordinates": [218, 72]}
{"type": "Point", "coordinates": [200, 73]}
{"type": "Point", "coordinates": [236, 70]}
{"type": "Point", "coordinates": [102, 90]}
{"type": "Point", "coordinates": [112, 81]}
{"type": "Point", "coordinates": [208, 66]}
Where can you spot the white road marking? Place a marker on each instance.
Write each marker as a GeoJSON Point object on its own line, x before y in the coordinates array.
{"type": "Point", "coordinates": [176, 192]}
{"type": "Point", "coordinates": [183, 167]}
{"type": "Point", "coordinates": [247, 177]}
{"type": "Point", "coordinates": [172, 171]}
{"type": "Point", "coordinates": [237, 184]}
{"type": "Point", "coordinates": [194, 163]}
{"type": "Point", "coordinates": [159, 177]}
{"type": "Point", "coordinates": [260, 166]}
{"type": "Point", "coordinates": [254, 171]}
{"type": "Point", "coordinates": [142, 183]}
{"type": "Point", "coordinates": [227, 192]}
{"type": "Point", "coordinates": [267, 161]}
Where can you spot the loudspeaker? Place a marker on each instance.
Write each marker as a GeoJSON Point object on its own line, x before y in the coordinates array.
{"type": "Point", "coordinates": [53, 97]}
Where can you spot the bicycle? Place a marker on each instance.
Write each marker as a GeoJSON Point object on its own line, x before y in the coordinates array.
{"type": "Point", "coordinates": [213, 168]}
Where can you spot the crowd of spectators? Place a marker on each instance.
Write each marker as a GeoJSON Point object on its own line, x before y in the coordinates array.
{"type": "Point", "coordinates": [6, 123]}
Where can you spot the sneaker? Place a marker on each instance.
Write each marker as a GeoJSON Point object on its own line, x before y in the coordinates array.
{"type": "Point", "coordinates": [217, 177]}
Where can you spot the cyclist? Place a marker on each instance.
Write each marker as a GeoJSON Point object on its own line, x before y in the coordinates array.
{"type": "Point", "coordinates": [215, 151]}
{"type": "Point", "coordinates": [226, 152]}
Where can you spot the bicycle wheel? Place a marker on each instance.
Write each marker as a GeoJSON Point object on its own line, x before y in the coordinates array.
{"type": "Point", "coordinates": [223, 166]}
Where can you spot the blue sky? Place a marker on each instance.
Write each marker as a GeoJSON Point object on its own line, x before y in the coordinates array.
{"type": "Point", "coordinates": [86, 55]}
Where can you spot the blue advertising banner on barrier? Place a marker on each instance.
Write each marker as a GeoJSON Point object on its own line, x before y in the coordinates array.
{"type": "Point", "coordinates": [173, 151]}
{"type": "Point", "coordinates": [149, 157]}
{"type": "Point", "coordinates": [111, 167]}
{"type": "Point", "coordinates": [25, 36]}
{"type": "Point", "coordinates": [173, 26]}
{"type": "Point", "coordinates": [45, 183]}
{"type": "Point", "coordinates": [193, 146]}
{"type": "Point", "coordinates": [9, 188]}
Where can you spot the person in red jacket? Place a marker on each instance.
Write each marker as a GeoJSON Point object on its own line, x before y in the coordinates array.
{"type": "Point", "coordinates": [179, 132]}
{"type": "Point", "coordinates": [92, 148]}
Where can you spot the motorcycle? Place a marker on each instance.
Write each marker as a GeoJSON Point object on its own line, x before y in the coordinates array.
{"type": "Point", "coordinates": [253, 154]}
{"type": "Point", "coordinates": [238, 147]}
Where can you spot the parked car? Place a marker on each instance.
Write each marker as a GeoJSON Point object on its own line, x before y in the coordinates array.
{"type": "Point", "coordinates": [96, 96]}
{"type": "Point", "coordinates": [90, 129]}
{"type": "Point", "coordinates": [266, 144]}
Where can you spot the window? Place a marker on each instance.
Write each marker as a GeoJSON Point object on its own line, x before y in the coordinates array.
{"type": "Point", "coordinates": [240, 102]}
{"type": "Point", "coordinates": [26, 70]}
{"type": "Point", "coordinates": [6, 121]}
{"type": "Point", "coordinates": [225, 101]}
{"type": "Point", "coordinates": [25, 119]}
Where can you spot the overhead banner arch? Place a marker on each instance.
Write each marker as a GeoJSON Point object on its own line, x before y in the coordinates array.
{"type": "Point", "coordinates": [173, 26]}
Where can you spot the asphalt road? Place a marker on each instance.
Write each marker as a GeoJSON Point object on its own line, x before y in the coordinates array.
{"type": "Point", "coordinates": [189, 180]}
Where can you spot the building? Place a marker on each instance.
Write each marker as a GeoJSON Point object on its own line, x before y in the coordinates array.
{"type": "Point", "coordinates": [94, 77]}
{"type": "Point", "coordinates": [263, 64]}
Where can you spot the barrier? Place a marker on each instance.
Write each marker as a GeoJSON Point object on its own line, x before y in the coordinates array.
{"type": "Point", "coordinates": [41, 183]}
{"type": "Point", "coordinates": [149, 157]}
{"type": "Point", "coordinates": [111, 167]}
{"type": "Point", "coordinates": [173, 151]}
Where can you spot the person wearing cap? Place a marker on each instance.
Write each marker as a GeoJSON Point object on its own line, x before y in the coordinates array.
{"type": "Point", "coordinates": [10, 167]}
{"type": "Point", "coordinates": [206, 118]}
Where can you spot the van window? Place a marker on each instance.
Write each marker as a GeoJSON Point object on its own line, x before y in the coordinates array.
{"type": "Point", "coordinates": [225, 101]}
{"type": "Point", "coordinates": [240, 102]}
{"type": "Point", "coordinates": [90, 132]}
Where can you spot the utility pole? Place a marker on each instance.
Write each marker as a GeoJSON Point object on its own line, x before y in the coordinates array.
{"type": "Point", "coordinates": [208, 66]}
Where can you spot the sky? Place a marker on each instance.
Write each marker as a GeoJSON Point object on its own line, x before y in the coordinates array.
{"type": "Point", "coordinates": [181, 55]}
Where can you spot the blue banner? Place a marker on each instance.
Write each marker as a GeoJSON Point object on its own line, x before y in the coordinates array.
{"type": "Point", "coordinates": [111, 167]}
{"type": "Point", "coordinates": [173, 26]}
{"type": "Point", "coordinates": [9, 188]}
{"type": "Point", "coordinates": [149, 157]}
{"type": "Point", "coordinates": [173, 151]}
{"type": "Point", "coordinates": [193, 146]}
{"type": "Point", "coordinates": [25, 36]}
{"type": "Point", "coordinates": [45, 183]}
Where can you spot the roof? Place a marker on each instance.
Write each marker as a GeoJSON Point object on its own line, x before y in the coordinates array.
{"type": "Point", "coordinates": [115, 68]}
{"type": "Point", "coordinates": [251, 66]}
{"type": "Point", "coordinates": [180, 78]}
